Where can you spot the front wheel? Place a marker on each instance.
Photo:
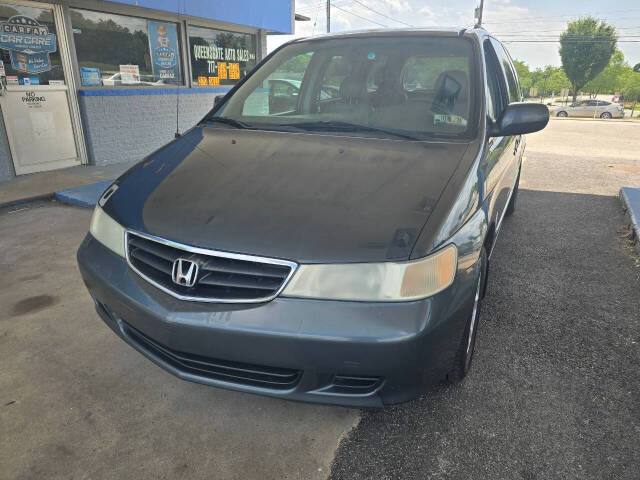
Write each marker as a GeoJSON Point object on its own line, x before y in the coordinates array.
{"type": "Point", "coordinates": [605, 115]}
{"type": "Point", "coordinates": [562, 114]}
{"type": "Point", "coordinates": [464, 355]}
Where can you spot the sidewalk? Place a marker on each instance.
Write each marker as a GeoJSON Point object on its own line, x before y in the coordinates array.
{"type": "Point", "coordinates": [37, 186]}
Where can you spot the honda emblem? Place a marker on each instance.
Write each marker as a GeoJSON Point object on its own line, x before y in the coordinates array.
{"type": "Point", "coordinates": [185, 272]}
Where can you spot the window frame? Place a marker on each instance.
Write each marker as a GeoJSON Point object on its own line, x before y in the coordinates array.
{"type": "Point", "coordinates": [189, 57]}
{"type": "Point", "coordinates": [60, 47]}
{"type": "Point", "coordinates": [119, 11]}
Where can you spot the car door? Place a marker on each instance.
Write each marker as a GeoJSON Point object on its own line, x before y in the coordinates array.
{"type": "Point", "coordinates": [582, 109]}
{"type": "Point", "coordinates": [501, 163]}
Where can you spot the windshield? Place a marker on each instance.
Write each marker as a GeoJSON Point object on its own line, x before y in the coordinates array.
{"type": "Point", "coordinates": [412, 87]}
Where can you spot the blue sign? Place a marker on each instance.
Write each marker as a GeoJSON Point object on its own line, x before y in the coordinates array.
{"type": "Point", "coordinates": [35, 63]}
{"type": "Point", "coordinates": [90, 76]}
{"type": "Point", "coordinates": [163, 42]}
{"type": "Point", "coordinates": [29, 44]}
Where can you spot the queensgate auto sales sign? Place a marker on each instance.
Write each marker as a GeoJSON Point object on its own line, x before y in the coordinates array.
{"type": "Point", "coordinates": [28, 43]}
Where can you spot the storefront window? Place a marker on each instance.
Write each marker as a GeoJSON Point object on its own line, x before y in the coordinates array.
{"type": "Point", "coordinates": [219, 57]}
{"type": "Point", "coordinates": [116, 50]}
{"type": "Point", "coordinates": [21, 28]}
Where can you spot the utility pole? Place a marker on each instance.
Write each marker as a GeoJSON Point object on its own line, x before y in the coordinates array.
{"type": "Point", "coordinates": [478, 14]}
{"type": "Point", "coordinates": [328, 16]}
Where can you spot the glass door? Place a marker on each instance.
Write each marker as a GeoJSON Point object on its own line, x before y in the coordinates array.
{"type": "Point", "coordinates": [36, 101]}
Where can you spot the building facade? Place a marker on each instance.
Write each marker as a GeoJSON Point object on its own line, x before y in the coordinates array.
{"type": "Point", "coordinates": [101, 82]}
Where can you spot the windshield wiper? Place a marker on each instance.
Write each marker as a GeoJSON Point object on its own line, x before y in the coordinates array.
{"type": "Point", "coordinates": [337, 126]}
{"type": "Point", "coordinates": [227, 121]}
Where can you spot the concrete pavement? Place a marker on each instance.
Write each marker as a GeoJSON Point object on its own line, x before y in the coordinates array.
{"type": "Point", "coordinates": [44, 185]}
{"type": "Point", "coordinates": [77, 402]}
{"type": "Point", "coordinates": [553, 392]}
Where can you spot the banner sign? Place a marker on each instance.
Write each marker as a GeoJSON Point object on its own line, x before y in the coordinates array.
{"type": "Point", "coordinates": [28, 43]}
{"type": "Point", "coordinates": [163, 41]}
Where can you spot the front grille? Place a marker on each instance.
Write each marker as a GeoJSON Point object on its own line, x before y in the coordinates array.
{"type": "Point", "coordinates": [222, 276]}
{"type": "Point", "coordinates": [222, 370]}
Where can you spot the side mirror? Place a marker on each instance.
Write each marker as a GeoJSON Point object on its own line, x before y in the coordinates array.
{"type": "Point", "coordinates": [520, 118]}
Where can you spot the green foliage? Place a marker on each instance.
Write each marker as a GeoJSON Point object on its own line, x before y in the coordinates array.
{"type": "Point", "coordinates": [612, 78]}
{"type": "Point", "coordinates": [586, 47]}
{"type": "Point", "coordinates": [547, 80]}
{"type": "Point", "coordinates": [631, 87]}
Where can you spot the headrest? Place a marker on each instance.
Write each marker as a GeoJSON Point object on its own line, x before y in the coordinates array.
{"type": "Point", "coordinates": [350, 88]}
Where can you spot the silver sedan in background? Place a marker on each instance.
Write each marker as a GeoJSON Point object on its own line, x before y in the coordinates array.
{"type": "Point", "coordinates": [591, 108]}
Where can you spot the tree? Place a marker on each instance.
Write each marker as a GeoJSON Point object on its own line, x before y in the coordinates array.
{"type": "Point", "coordinates": [610, 80]}
{"type": "Point", "coordinates": [586, 47]}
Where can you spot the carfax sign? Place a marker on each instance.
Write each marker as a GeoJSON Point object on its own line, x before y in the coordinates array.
{"type": "Point", "coordinates": [163, 40]}
{"type": "Point", "coordinates": [28, 43]}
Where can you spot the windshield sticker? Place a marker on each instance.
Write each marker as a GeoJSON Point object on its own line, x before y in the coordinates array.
{"type": "Point", "coordinates": [28, 43]}
{"type": "Point", "coordinates": [442, 119]}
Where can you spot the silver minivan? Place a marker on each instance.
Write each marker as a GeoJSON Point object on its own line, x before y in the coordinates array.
{"type": "Point", "coordinates": [591, 108]}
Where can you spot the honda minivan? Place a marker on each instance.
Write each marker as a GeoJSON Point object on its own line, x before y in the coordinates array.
{"type": "Point", "coordinates": [326, 243]}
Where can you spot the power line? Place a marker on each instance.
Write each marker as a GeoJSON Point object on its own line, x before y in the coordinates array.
{"type": "Point", "coordinates": [359, 16]}
{"type": "Point", "coordinates": [572, 15]}
{"type": "Point", "coordinates": [381, 14]}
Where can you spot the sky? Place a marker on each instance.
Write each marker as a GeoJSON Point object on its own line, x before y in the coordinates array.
{"type": "Point", "coordinates": [515, 22]}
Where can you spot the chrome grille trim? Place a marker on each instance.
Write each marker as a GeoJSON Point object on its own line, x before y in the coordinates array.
{"type": "Point", "coordinates": [212, 253]}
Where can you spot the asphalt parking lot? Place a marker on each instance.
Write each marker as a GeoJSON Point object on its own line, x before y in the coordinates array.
{"type": "Point", "coordinates": [553, 393]}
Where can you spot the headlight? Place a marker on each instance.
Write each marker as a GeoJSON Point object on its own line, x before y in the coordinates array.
{"type": "Point", "coordinates": [376, 282]}
{"type": "Point", "coordinates": [107, 231]}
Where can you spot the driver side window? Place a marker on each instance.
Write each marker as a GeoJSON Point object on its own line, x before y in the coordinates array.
{"type": "Point", "coordinates": [279, 92]}
{"type": "Point", "coordinates": [496, 91]}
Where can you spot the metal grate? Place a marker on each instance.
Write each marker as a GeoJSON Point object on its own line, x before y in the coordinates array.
{"type": "Point", "coordinates": [221, 276]}
{"type": "Point", "coordinates": [222, 370]}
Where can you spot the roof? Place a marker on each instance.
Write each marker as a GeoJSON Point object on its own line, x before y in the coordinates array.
{"type": "Point", "coordinates": [444, 31]}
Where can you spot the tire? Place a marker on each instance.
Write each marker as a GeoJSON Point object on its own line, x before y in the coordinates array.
{"type": "Point", "coordinates": [562, 113]}
{"type": "Point", "coordinates": [605, 115]}
{"type": "Point", "coordinates": [464, 355]}
{"type": "Point", "coordinates": [514, 197]}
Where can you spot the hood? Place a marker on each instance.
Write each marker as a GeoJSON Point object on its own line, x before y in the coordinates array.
{"type": "Point", "coordinates": [309, 198]}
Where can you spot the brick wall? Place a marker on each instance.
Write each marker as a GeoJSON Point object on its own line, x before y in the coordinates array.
{"type": "Point", "coordinates": [129, 127]}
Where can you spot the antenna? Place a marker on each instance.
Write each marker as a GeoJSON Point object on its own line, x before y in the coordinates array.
{"type": "Point", "coordinates": [177, 134]}
{"type": "Point", "coordinates": [478, 14]}
{"type": "Point", "coordinates": [328, 16]}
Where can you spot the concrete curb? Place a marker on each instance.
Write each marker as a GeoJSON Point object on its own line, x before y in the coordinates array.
{"type": "Point", "coordinates": [631, 203]}
{"type": "Point", "coordinates": [27, 200]}
{"type": "Point", "coordinates": [583, 119]}
{"type": "Point", "coordinates": [85, 196]}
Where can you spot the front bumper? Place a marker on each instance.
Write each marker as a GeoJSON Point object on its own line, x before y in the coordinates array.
{"type": "Point", "coordinates": [401, 347]}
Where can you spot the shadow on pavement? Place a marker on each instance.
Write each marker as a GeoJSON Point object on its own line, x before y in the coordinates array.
{"type": "Point", "coordinates": [553, 392]}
